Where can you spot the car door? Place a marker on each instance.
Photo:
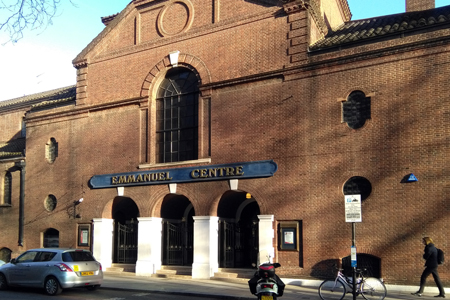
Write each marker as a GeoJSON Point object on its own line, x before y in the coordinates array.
{"type": "Point", "coordinates": [40, 267]}
{"type": "Point", "coordinates": [21, 270]}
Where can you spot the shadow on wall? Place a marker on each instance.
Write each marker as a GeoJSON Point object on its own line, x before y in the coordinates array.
{"type": "Point", "coordinates": [326, 269]}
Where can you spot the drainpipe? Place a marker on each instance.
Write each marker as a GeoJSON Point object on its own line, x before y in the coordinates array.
{"type": "Point", "coordinates": [21, 166]}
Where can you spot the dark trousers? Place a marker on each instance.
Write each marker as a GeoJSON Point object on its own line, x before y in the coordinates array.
{"type": "Point", "coordinates": [427, 273]}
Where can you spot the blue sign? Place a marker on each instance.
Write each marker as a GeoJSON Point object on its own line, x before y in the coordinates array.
{"type": "Point", "coordinates": [353, 256]}
{"type": "Point", "coordinates": [245, 170]}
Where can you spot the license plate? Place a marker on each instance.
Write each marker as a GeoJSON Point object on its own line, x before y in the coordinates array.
{"type": "Point", "coordinates": [264, 297]}
{"type": "Point", "coordinates": [87, 273]}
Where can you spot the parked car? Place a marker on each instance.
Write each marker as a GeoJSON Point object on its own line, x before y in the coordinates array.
{"type": "Point", "coordinates": [53, 269]}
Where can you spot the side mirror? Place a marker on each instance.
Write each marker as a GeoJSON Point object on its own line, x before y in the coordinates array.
{"type": "Point", "coordinates": [276, 265]}
{"type": "Point", "coordinates": [13, 261]}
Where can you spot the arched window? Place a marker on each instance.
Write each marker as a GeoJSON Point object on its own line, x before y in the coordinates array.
{"type": "Point", "coordinates": [51, 150]}
{"type": "Point", "coordinates": [356, 110]}
{"type": "Point", "coordinates": [5, 255]}
{"type": "Point", "coordinates": [7, 188]}
{"type": "Point", "coordinates": [177, 117]}
{"type": "Point", "coordinates": [51, 238]}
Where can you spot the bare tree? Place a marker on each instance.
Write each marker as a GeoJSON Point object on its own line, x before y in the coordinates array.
{"type": "Point", "coordinates": [18, 15]}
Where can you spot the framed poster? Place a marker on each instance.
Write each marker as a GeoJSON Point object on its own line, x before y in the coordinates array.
{"type": "Point", "coordinates": [84, 235]}
{"type": "Point", "coordinates": [288, 233]}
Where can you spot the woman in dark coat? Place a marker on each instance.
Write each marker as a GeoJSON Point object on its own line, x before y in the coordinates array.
{"type": "Point", "coordinates": [431, 267]}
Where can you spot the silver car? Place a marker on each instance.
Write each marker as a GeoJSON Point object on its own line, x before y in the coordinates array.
{"type": "Point", "coordinates": [53, 269]}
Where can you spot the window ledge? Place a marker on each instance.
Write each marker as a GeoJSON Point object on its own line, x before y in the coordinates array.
{"type": "Point", "coordinates": [5, 205]}
{"type": "Point", "coordinates": [178, 163]}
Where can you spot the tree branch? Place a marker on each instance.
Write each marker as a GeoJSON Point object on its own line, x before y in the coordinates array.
{"type": "Point", "coordinates": [19, 15]}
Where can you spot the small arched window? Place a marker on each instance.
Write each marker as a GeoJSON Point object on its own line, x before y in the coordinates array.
{"type": "Point", "coordinates": [51, 238]}
{"type": "Point", "coordinates": [7, 189]}
{"type": "Point", "coordinates": [51, 150]}
{"type": "Point", "coordinates": [356, 110]}
{"type": "Point", "coordinates": [177, 117]}
{"type": "Point", "coordinates": [5, 255]}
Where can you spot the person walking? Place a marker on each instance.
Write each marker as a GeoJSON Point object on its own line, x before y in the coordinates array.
{"type": "Point", "coordinates": [431, 267]}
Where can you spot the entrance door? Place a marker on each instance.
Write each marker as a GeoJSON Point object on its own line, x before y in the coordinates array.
{"type": "Point", "coordinates": [178, 231]}
{"type": "Point", "coordinates": [238, 244]}
{"type": "Point", "coordinates": [125, 213]}
{"type": "Point", "coordinates": [178, 243]}
{"type": "Point", "coordinates": [227, 249]}
{"type": "Point", "coordinates": [238, 231]}
{"type": "Point", "coordinates": [126, 248]}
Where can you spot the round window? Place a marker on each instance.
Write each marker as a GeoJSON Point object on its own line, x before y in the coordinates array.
{"type": "Point", "coordinates": [358, 185]}
{"type": "Point", "coordinates": [50, 203]}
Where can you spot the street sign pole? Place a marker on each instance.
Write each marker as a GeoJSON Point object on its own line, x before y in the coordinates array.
{"type": "Point", "coordinates": [352, 215]}
{"type": "Point", "coordinates": [354, 260]}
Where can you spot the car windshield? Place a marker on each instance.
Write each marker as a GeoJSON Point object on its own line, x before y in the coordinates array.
{"type": "Point", "coordinates": [77, 256]}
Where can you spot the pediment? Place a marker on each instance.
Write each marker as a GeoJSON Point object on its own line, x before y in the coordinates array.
{"type": "Point", "coordinates": [147, 23]}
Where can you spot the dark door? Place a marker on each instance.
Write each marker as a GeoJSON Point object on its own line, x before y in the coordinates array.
{"type": "Point", "coordinates": [177, 243]}
{"type": "Point", "coordinates": [126, 248]}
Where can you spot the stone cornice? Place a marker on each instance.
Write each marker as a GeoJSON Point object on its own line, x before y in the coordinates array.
{"type": "Point", "coordinates": [294, 6]}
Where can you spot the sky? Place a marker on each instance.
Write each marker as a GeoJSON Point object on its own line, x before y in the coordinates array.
{"type": "Point", "coordinates": [42, 59]}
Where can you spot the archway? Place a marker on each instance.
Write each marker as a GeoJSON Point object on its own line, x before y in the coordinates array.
{"type": "Point", "coordinates": [238, 230]}
{"type": "Point", "coordinates": [178, 231]}
{"type": "Point", "coordinates": [5, 255]}
{"type": "Point", "coordinates": [125, 213]}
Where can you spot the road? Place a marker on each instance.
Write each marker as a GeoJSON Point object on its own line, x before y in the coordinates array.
{"type": "Point", "coordinates": [83, 294]}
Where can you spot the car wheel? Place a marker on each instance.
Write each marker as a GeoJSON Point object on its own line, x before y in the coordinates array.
{"type": "Point", "coordinates": [3, 282]}
{"type": "Point", "coordinates": [93, 287]}
{"type": "Point", "coordinates": [52, 286]}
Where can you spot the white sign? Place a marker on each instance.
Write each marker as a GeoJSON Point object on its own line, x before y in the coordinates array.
{"type": "Point", "coordinates": [353, 208]}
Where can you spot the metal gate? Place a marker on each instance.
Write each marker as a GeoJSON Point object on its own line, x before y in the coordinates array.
{"type": "Point", "coordinates": [226, 244]}
{"type": "Point", "coordinates": [178, 243]}
{"type": "Point", "coordinates": [238, 244]}
{"type": "Point", "coordinates": [126, 247]}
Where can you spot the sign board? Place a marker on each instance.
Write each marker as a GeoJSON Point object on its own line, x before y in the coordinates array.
{"type": "Point", "coordinates": [243, 170]}
{"type": "Point", "coordinates": [353, 208]}
{"type": "Point", "coordinates": [353, 256]}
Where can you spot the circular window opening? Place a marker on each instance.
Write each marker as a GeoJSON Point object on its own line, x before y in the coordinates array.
{"type": "Point", "coordinates": [358, 185]}
{"type": "Point", "coordinates": [50, 203]}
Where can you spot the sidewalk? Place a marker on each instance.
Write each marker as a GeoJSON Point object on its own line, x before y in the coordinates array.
{"type": "Point", "coordinates": [295, 288]}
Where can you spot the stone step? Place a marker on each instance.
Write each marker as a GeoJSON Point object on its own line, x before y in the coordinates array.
{"type": "Point", "coordinates": [122, 268]}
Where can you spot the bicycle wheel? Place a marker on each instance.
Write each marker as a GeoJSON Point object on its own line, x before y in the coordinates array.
{"type": "Point", "coordinates": [331, 290]}
{"type": "Point", "coordinates": [373, 289]}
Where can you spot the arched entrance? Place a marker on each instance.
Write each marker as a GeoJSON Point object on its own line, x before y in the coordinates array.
{"type": "Point", "coordinates": [238, 230]}
{"type": "Point", "coordinates": [178, 231]}
{"type": "Point", "coordinates": [125, 213]}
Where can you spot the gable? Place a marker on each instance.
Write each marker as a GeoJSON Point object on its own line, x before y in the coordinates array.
{"type": "Point", "coordinates": [148, 22]}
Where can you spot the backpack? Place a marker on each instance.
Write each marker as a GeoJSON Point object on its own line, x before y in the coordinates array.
{"type": "Point", "coordinates": [440, 256]}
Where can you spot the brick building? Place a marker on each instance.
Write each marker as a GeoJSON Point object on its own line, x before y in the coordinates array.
{"type": "Point", "coordinates": [212, 135]}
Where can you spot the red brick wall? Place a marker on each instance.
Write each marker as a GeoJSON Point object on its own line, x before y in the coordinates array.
{"type": "Point", "coordinates": [291, 115]}
{"type": "Point", "coordinates": [417, 5]}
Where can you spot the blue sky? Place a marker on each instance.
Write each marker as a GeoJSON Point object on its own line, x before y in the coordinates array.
{"type": "Point", "coordinates": [42, 60]}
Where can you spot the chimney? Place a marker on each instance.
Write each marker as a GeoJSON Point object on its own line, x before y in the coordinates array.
{"type": "Point", "coordinates": [418, 5]}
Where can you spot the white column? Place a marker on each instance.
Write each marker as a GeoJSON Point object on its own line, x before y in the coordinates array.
{"type": "Point", "coordinates": [149, 246]}
{"type": "Point", "coordinates": [102, 241]}
{"type": "Point", "coordinates": [206, 247]}
{"type": "Point", "coordinates": [266, 235]}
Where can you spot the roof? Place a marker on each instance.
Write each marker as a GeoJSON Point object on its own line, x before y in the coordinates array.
{"type": "Point", "coordinates": [365, 30]}
{"type": "Point", "coordinates": [13, 148]}
{"type": "Point", "coordinates": [61, 94]}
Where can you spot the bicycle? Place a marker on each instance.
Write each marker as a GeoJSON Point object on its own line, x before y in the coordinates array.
{"type": "Point", "coordinates": [370, 288]}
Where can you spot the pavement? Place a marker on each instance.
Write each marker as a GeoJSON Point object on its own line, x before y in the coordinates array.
{"type": "Point", "coordinates": [295, 288]}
